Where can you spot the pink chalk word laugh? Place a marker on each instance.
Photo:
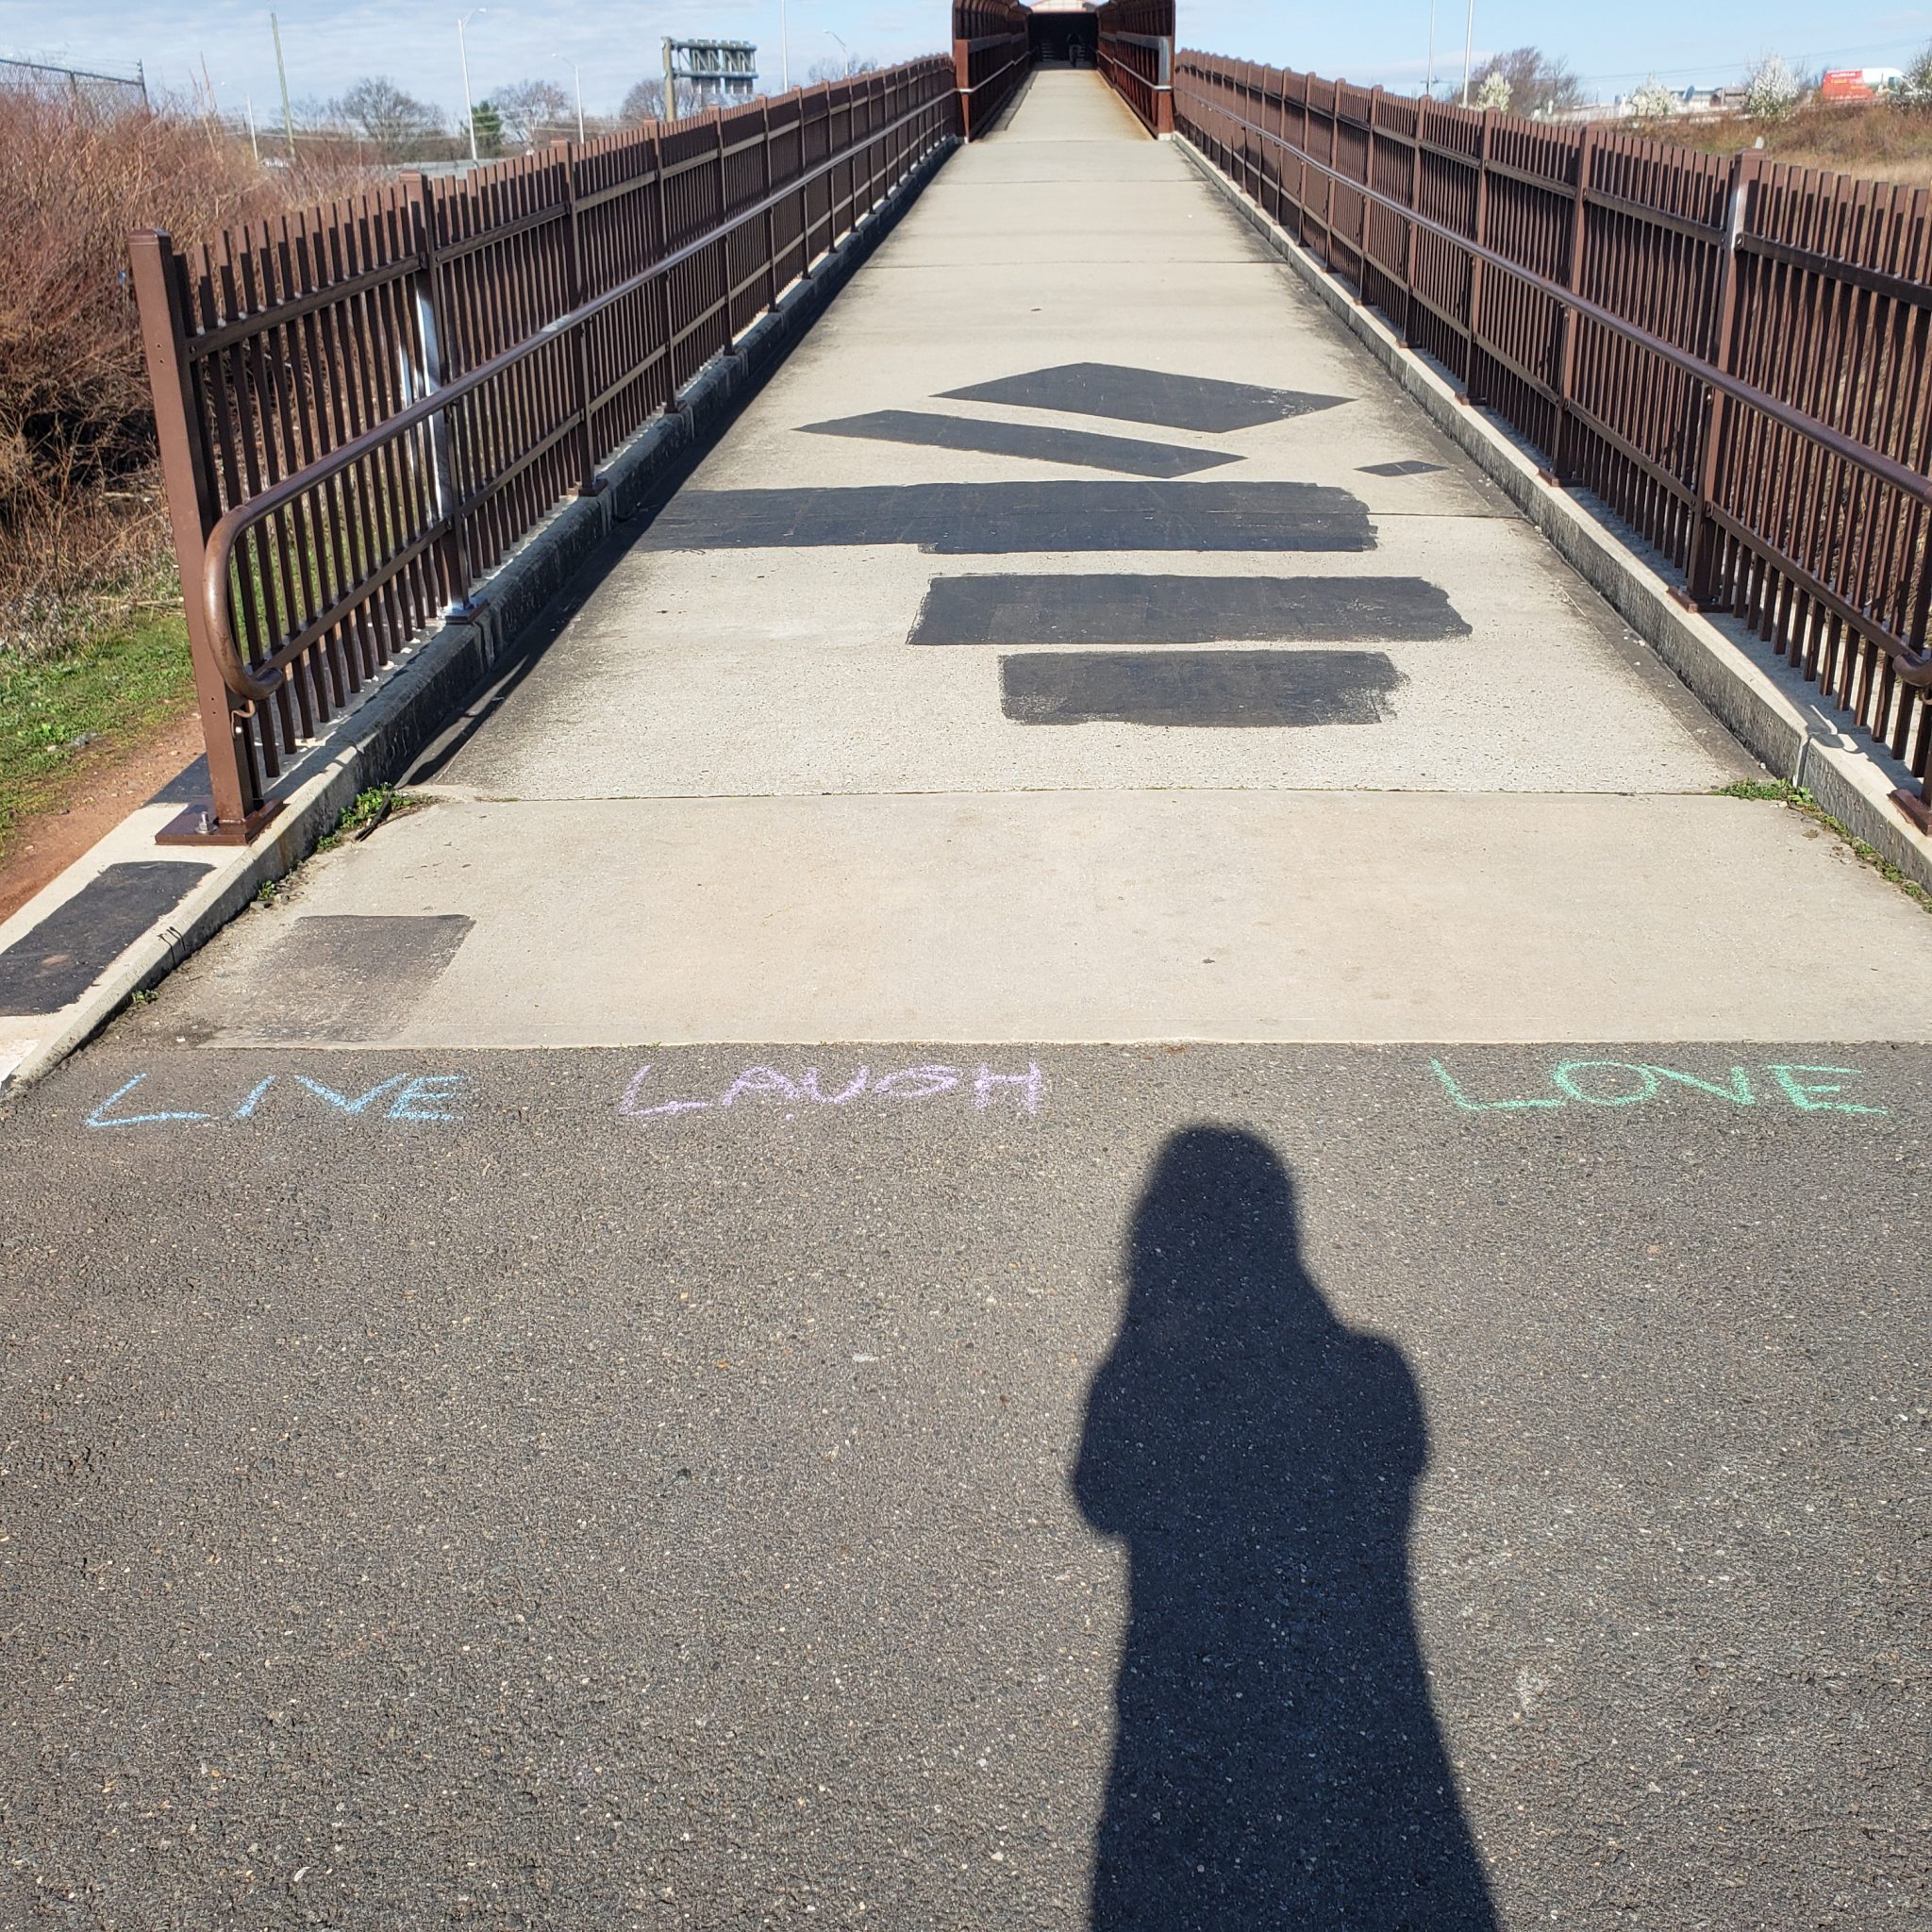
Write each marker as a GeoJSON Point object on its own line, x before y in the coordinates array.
{"type": "Point", "coordinates": [762, 1086]}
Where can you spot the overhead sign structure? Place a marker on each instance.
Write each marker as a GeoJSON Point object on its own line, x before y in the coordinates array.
{"type": "Point", "coordinates": [712, 74]}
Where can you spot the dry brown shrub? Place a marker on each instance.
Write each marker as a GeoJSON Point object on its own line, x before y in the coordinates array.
{"type": "Point", "coordinates": [1876, 139]}
{"type": "Point", "coordinates": [81, 520]}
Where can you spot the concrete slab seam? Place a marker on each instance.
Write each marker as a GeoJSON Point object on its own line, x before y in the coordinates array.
{"type": "Point", "coordinates": [1742, 695]}
{"type": "Point", "coordinates": [379, 737]}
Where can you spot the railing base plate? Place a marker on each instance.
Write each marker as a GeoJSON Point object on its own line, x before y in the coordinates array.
{"type": "Point", "coordinates": [1915, 809]}
{"type": "Point", "coordinates": [198, 826]}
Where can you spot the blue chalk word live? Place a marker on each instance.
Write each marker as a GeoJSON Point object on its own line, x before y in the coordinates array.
{"type": "Point", "coordinates": [1632, 1083]}
{"type": "Point", "coordinates": [401, 1097]}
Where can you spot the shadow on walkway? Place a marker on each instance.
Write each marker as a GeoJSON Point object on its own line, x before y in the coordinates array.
{"type": "Point", "coordinates": [1277, 1761]}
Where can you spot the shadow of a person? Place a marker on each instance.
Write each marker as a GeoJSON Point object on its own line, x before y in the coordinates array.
{"type": "Point", "coordinates": [1278, 1762]}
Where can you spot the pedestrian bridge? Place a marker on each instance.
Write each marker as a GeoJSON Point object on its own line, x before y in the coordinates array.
{"type": "Point", "coordinates": [1058, 1166]}
{"type": "Point", "coordinates": [1078, 637]}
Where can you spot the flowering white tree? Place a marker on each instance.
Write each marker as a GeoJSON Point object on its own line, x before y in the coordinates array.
{"type": "Point", "coordinates": [1493, 93]}
{"type": "Point", "coordinates": [1771, 90]}
{"type": "Point", "coordinates": [1652, 103]}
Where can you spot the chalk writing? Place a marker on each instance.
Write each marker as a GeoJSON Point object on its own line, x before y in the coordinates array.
{"type": "Point", "coordinates": [1021, 1093]}
{"type": "Point", "coordinates": [1631, 1083]}
{"type": "Point", "coordinates": [409, 1097]}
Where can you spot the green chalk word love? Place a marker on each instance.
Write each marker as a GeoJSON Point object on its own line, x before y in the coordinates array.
{"type": "Point", "coordinates": [1634, 1083]}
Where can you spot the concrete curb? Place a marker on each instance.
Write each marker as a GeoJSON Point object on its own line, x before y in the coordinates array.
{"type": "Point", "coordinates": [376, 742]}
{"type": "Point", "coordinates": [1766, 705]}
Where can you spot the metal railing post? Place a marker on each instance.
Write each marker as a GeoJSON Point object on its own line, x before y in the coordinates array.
{"type": "Point", "coordinates": [771, 214]}
{"type": "Point", "coordinates": [1471, 392]}
{"type": "Point", "coordinates": [1566, 322]}
{"type": "Point", "coordinates": [1700, 574]}
{"type": "Point", "coordinates": [1361, 244]}
{"type": "Point", "coordinates": [1415, 201]}
{"type": "Point", "coordinates": [666, 307]}
{"type": "Point", "coordinates": [452, 545]}
{"type": "Point", "coordinates": [1302, 157]}
{"type": "Point", "coordinates": [724, 335]}
{"type": "Point", "coordinates": [588, 482]}
{"type": "Point", "coordinates": [235, 810]}
{"type": "Point", "coordinates": [1328, 180]}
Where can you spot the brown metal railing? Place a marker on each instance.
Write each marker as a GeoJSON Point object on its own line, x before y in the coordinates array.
{"type": "Point", "coordinates": [361, 409]}
{"type": "Point", "coordinates": [1735, 356]}
{"type": "Point", "coordinates": [992, 53]}
{"type": "Point", "coordinates": [1137, 57]}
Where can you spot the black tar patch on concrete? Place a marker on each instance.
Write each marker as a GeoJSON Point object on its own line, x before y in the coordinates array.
{"type": "Point", "coordinates": [1409, 466]}
{"type": "Point", "coordinates": [1147, 396]}
{"type": "Point", "coordinates": [54, 964]}
{"type": "Point", "coordinates": [1244, 689]}
{"type": "Point", "coordinates": [1152, 609]}
{"type": "Point", "coordinates": [339, 976]}
{"type": "Point", "coordinates": [1027, 439]}
{"type": "Point", "coordinates": [987, 519]}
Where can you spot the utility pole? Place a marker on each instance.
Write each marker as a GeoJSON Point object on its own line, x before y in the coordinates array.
{"type": "Point", "coordinates": [463, 55]}
{"type": "Point", "coordinates": [577, 75]}
{"type": "Point", "coordinates": [249, 109]}
{"type": "Point", "coordinates": [282, 75]}
{"type": "Point", "coordinates": [1468, 45]}
{"type": "Point", "coordinates": [670, 83]}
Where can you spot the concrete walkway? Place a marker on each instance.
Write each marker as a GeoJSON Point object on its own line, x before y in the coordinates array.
{"type": "Point", "coordinates": [979, 687]}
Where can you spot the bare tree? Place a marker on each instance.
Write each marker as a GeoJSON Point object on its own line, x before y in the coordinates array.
{"type": "Point", "coordinates": [842, 69]}
{"type": "Point", "coordinates": [1915, 92]}
{"type": "Point", "coordinates": [644, 102]}
{"type": "Point", "coordinates": [381, 112]}
{"type": "Point", "coordinates": [534, 111]}
{"type": "Point", "coordinates": [1536, 83]}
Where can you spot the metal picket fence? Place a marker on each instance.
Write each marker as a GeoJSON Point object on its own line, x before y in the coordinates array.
{"type": "Point", "coordinates": [1734, 354]}
{"type": "Point", "coordinates": [363, 408]}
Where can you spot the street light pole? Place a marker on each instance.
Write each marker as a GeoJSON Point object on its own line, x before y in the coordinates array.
{"type": "Point", "coordinates": [282, 74]}
{"type": "Point", "coordinates": [463, 55]}
{"type": "Point", "coordinates": [1468, 45]}
{"type": "Point", "coordinates": [577, 75]}
{"type": "Point", "coordinates": [1429, 84]}
{"type": "Point", "coordinates": [843, 49]}
{"type": "Point", "coordinates": [784, 48]}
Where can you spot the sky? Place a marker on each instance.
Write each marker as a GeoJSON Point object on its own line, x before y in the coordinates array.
{"type": "Point", "coordinates": [330, 43]}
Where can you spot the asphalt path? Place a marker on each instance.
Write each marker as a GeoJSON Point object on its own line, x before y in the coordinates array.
{"type": "Point", "coordinates": [1194, 1487]}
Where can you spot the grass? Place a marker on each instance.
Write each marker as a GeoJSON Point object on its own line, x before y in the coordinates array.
{"type": "Point", "coordinates": [1781, 792]}
{"type": "Point", "coordinates": [56, 711]}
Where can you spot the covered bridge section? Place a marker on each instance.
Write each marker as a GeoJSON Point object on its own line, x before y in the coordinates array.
{"type": "Point", "coordinates": [996, 43]}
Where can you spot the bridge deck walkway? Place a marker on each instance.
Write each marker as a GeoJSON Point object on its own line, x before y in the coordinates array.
{"type": "Point", "coordinates": [1080, 637]}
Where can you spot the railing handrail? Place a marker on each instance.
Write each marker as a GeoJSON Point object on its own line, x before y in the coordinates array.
{"type": "Point", "coordinates": [219, 557]}
{"type": "Point", "coordinates": [1873, 461]}
{"type": "Point", "coordinates": [1005, 66]}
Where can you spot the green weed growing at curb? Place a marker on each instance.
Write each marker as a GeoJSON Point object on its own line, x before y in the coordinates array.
{"type": "Point", "coordinates": [368, 810]}
{"type": "Point", "coordinates": [1782, 792]}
